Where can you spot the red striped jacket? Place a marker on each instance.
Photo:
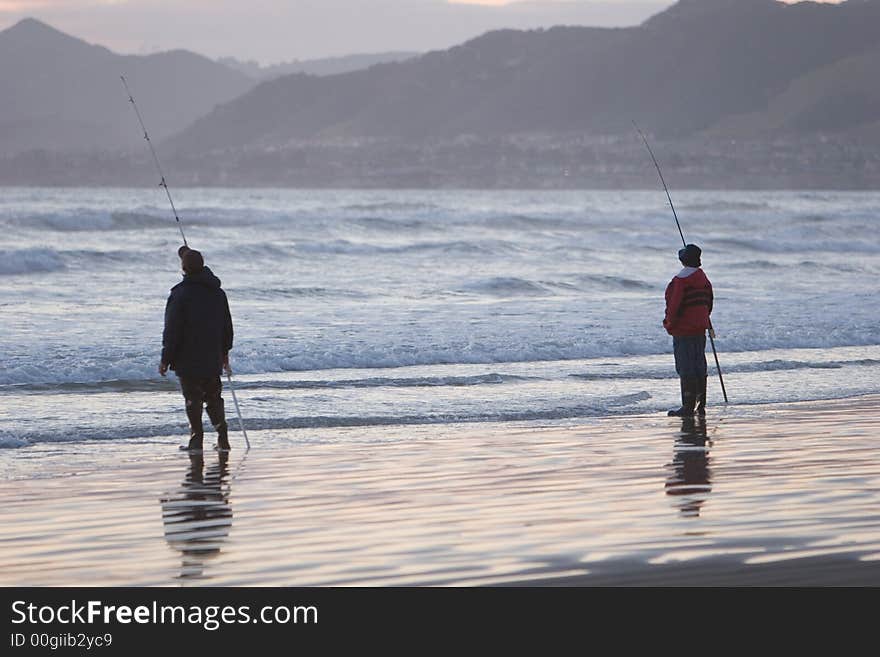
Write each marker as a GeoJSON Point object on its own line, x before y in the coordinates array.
{"type": "Point", "coordinates": [688, 303]}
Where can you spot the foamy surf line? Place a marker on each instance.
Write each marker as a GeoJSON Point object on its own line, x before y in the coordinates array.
{"type": "Point", "coordinates": [388, 366]}
{"type": "Point", "coordinates": [754, 500]}
{"type": "Point", "coordinates": [613, 406]}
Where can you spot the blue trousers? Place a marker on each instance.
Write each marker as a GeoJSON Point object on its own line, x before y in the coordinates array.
{"type": "Point", "coordinates": [690, 355]}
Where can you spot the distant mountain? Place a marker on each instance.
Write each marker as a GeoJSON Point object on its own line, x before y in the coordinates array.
{"type": "Point", "coordinates": [735, 94]}
{"type": "Point", "coordinates": [62, 94]}
{"type": "Point", "coordinates": [842, 97]}
{"type": "Point", "coordinates": [324, 66]}
{"type": "Point", "coordinates": [698, 67]}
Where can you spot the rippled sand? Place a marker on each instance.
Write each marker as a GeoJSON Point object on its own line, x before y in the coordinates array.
{"type": "Point", "coordinates": [786, 495]}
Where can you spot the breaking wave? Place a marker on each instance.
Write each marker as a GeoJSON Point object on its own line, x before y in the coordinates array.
{"type": "Point", "coordinates": [29, 261]}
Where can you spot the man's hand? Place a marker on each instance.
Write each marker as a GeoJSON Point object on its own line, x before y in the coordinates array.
{"type": "Point", "coordinates": [163, 368]}
{"type": "Point", "coordinates": [712, 333]}
{"type": "Point", "coordinates": [226, 367]}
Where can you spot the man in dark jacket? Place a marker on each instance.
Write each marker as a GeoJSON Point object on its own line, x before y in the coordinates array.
{"type": "Point", "coordinates": [689, 302]}
{"type": "Point", "coordinates": [196, 343]}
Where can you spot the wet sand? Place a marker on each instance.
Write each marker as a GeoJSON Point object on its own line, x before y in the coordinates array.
{"type": "Point", "coordinates": [755, 496]}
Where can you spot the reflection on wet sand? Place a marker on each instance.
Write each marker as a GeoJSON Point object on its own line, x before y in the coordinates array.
{"type": "Point", "coordinates": [197, 516]}
{"type": "Point", "coordinates": [794, 501]}
{"type": "Point", "coordinates": [689, 474]}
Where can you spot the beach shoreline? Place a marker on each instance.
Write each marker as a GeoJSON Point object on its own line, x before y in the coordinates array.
{"type": "Point", "coordinates": [782, 495]}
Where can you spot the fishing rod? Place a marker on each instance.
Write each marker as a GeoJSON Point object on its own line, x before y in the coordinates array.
{"type": "Point", "coordinates": [237, 409]}
{"type": "Point", "coordinates": [684, 243]}
{"type": "Point", "coordinates": [164, 185]}
{"type": "Point", "coordinates": [162, 182]}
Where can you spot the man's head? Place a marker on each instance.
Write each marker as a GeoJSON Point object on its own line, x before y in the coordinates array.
{"type": "Point", "coordinates": [182, 250]}
{"type": "Point", "coordinates": [191, 262]}
{"type": "Point", "coordinates": [690, 255]}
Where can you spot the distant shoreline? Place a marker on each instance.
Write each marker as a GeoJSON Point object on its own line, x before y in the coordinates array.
{"type": "Point", "coordinates": [511, 162]}
{"type": "Point", "coordinates": [450, 188]}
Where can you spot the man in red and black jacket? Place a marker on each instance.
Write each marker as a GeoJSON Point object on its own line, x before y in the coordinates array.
{"type": "Point", "coordinates": [688, 306]}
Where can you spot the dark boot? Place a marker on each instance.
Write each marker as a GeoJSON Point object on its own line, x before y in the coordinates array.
{"type": "Point", "coordinates": [217, 415]}
{"type": "Point", "coordinates": [688, 397]}
{"type": "Point", "coordinates": [701, 395]}
{"type": "Point", "coordinates": [222, 437]}
{"type": "Point", "coordinates": [196, 431]}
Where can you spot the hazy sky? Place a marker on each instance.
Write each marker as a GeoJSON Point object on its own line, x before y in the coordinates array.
{"type": "Point", "coordinates": [276, 30]}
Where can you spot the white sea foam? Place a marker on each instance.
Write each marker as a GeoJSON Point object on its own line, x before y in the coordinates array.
{"type": "Point", "coordinates": [254, 360]}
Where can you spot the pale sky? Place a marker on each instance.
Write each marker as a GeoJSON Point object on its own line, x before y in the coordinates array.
{"type": "Point", "coordinates": [270, 31]}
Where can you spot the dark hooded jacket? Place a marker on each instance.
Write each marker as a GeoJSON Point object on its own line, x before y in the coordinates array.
{"type": "Point", "coordinates": [198, 326]}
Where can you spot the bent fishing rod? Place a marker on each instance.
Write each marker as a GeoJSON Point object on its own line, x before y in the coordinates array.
{"type": "Point", "coordinates": [684, 244]}
{"type": "Point", "coordinates": [163, 184]}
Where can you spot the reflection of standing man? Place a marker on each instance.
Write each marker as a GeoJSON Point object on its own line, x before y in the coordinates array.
{"type": "Point", "coordinates": [689, 301]}
{"type": "Point", "coordinates": [196, 343]}
{"type": "Point", "coordinates": [690, 473]}
{"type": "Point", "coordinates": [197, 518]}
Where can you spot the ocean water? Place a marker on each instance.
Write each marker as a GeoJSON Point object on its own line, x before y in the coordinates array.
{"type": "Point", "coordinates": [403, 308]}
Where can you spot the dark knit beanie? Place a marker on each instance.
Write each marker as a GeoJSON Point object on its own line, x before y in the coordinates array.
{"type": "Point", "coordinates": [690, 255]}
{"type": "Point", "coordinates": [192, 262]}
